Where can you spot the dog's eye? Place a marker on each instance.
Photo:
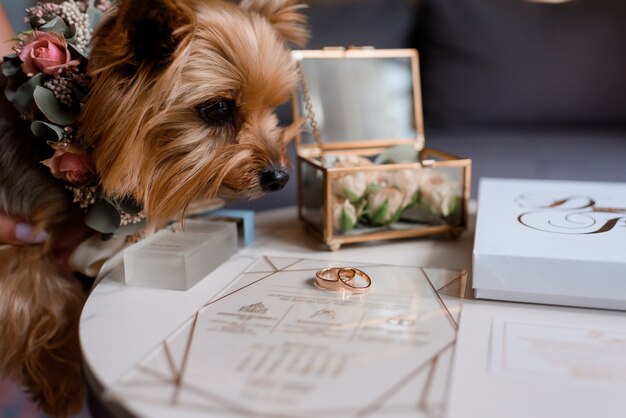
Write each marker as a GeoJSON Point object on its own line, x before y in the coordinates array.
{"type": "Point", "coordinates": [218, 113]}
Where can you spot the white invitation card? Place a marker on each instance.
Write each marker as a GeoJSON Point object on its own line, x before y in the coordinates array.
{"type": "Point", "coordinates": [518, 361]}
{"type": "Point", "coordinates": [274, 344]}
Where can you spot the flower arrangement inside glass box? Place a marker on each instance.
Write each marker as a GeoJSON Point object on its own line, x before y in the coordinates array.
{"type": "Point", "coordinates": [363, 171]}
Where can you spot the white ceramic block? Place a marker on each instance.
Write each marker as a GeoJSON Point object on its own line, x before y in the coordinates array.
{"type": "Point", "coordinates": [178, 257]}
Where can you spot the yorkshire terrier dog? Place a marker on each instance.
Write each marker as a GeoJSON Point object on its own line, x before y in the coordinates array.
{"type": "Point", "coordinates": [179, 108]}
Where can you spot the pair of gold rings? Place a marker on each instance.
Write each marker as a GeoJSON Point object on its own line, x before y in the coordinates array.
{"type": "Point", "coordinates": [337, 278]}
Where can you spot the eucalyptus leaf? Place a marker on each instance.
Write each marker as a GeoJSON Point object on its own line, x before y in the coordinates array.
{"type": "Point", "coordinates": [12, 84]}
{"type": "Point", "coordinates": [55, 25]}
{"type": "Point", "coordinates": [94, 16]}
{"type": "Point", "coordinates": [9, 68]}
{"type": "Point", "coordinates": [47, 131]}
{"type": "Point", "coordinates": [70, 34]}
{"type": "Point", "coordinates": [23, 100]}
{"type": "Point", "coordinates": [11, 65]}
{"type": "Point", "coordinates": [52, 108]}
{"type": "Point", "coordinates": [403, 153]}
{"type": "Point", "coordinates": [103, 217]}
{"type": "Point", "coordinates": [76, 52]}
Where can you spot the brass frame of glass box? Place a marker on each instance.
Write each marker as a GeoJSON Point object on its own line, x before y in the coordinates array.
{"type": "Point", "coordinates": [308, 154]}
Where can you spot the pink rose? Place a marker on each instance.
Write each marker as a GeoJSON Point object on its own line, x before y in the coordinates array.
{"type": "Point", "coordinates": [45, 52]}
{"type": "Point", "coordinates": [70, 164]}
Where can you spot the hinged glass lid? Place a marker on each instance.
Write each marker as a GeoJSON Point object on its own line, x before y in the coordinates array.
{"type": "Point", "coordinates": [359, 97]}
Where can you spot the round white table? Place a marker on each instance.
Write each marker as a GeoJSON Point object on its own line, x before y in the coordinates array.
{"type": "Point", "coordinates": [121, 324]}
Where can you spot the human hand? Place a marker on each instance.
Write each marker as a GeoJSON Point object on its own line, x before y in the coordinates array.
{"type": "Point", "coordinates": [14, 231]}
{"type": "Point", "coordinates": [6, 33]}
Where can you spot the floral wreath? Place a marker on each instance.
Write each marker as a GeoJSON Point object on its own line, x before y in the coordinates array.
{"type": "Point", "coordinates": [47, 83]}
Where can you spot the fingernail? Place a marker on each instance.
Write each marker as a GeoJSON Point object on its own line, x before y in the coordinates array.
{"type": "Point", "coordinates": [24, 233]}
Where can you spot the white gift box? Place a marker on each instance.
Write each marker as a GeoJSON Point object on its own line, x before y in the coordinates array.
{"type": "Point", "coordinates": [552, 242]}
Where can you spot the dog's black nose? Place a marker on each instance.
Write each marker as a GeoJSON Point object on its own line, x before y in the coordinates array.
{"type": "Point", "coordinates": [274, 179]}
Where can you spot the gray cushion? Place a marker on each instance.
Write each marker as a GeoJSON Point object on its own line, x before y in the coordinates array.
{"type": "Point", "coordinates": [520, 62]}
{"type": "Point", "coordinates": [383, 24]}
{"type": "Point", "coordinates": [559, 154]}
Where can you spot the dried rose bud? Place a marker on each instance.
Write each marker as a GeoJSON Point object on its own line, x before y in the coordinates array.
{"type": "Point", "coordinates": [438, 191]}
{"type": "Point", "coordinates": [351, 186]}
{"type": "Point", "coordinates": [344, 215]}
{"type": "Point", "coordinates": [384, 205]}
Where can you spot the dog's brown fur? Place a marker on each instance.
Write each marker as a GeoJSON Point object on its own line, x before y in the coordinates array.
{"type": "Point", "coordinates": [153, 64]}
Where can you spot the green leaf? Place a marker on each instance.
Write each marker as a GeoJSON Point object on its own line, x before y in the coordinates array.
{"type": "Point", "coordinates": [78, 53]}
{"type": "Point", "coordinates": [52, 108]}
{"type": "Point", "coordinates": [24, 95]}
{"type": "Point", "coordinates": [70, 34]}
{"type": "Point", "coordinates": [345, 221]}
{"type": "Point", "coordinates": [47, 131]}
{"type": "Point", "coordinates": [379, 215]}
{"type": "Point", "coordinates": [396, 216]}
{"type": "Point", "coordinates": [103, 217]}
{"type": "Point", "coordinates": [454, 217]}
{"type": "Point", "coordinates": [13, 83]}
{"type": "Point", "coordinates": [95, 16]}
{"type": "Point", "coordinates": [421, 213]}
{"type": "Point", "coordinates": [10, 68]}
{"type": "Point", "coordinates": [351, 196]}
{"type": "Point", "coordinates": [403, 153]}
{"type": "Point", "coordinates": [11, 65]}
{"type": "Point", "coordinates": [55, 25]}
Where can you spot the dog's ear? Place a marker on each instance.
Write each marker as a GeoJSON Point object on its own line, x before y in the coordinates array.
{"type": "Point", "coordinates": [153, 28]}
{"type": "Point", "coordinates": [284, 15]}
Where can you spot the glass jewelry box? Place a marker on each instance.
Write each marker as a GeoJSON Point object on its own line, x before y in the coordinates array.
{"type": "Point", "coordinates": [363, 170]}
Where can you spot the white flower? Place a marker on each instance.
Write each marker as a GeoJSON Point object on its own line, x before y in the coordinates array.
{"type": "Point", "coordinates": [351, 161]}
{"type": "Point", "coordinates": [384, 205]}
{"type": "Point", "coordinates": [351, 186]}
{"type": "Point", "coordinates": [344, 215]}
{"type": "Point", "coordinates": [408, 182]}
{"type": "Point", "coordinates": [438, 191]}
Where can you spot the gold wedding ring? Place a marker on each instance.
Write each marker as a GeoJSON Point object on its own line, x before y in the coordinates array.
{"type": "Point", "coordinates": [348, 274]}
{"type": "Point", "coordinates": [328, 278]}
{"type": "Point", "coordinates": [337, 278]}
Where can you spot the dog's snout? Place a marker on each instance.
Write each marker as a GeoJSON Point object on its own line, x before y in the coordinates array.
{"type": "Point", "coordinates": [274, 179]}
